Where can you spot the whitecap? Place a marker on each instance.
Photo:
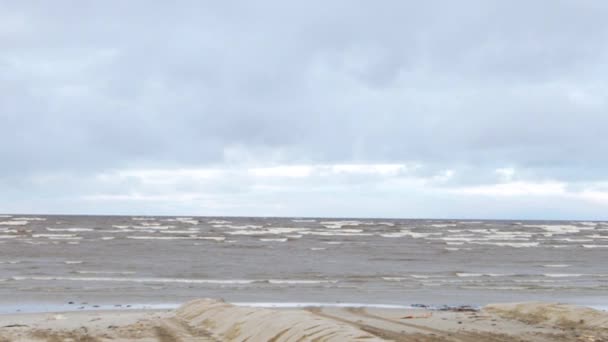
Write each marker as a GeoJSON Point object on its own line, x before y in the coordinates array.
{"type": "Point", "coordinates": [243, 227]}
{"type": "Point", "coordinates": [218, 222]}
{"type": "Point", "coordinates": [595, 246]}
{"type": "Point", "coordinates": [143, 218]}
{"type": "Point", "coordinates": [300, 281]}
{"type": "Point", "coordinates": [69, 229]}
{"type": "Point", "coordinates": [509, 244]}
{"type": "Point", "coordinates": [393, 278]}
{"type": "Point", "coordinates": [14, 223]}
{"type": "Point", "coordinates": [105, 272]}
{"type": "Point", "coordinates": [161, 237]}
{"type": "Point", "coordinates": [29, 219]}
{"type": "Point", "coordinates": [214, 238]}
{"type": "Point", "coordinates": [462, 275]}
{"type": "Point", "coordinates": [556, 265]}
{"type": "Point", "coordinates": [273, 240]}
{"type": "Point", "coordinates": [339, 224]}
{"type": "Point", "coordinates": [139, 280]}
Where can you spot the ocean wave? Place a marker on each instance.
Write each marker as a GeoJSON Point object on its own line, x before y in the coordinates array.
{"type": "Point", "coordinates": [69, 229]}
{"type": "Point", "coordinates": [231, 226]}
{"type": "Point", "coordinates": [13, 223]}
{"type": "Point", "coordinates": [29, 219]}
{"type": "Point", "coordinates": [105, 272]}
{"type": "Point", "coordinates": [143, 218]}
{"type": "Point", "coordinates": [339, 224]}
{"type": "Point", "coordinates": [556, 265]}
{"type": "Point", "coordinates": [178, 280]}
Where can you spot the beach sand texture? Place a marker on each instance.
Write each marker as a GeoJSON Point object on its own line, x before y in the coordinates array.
{"type": "Point", "coordinates": [213, 320]}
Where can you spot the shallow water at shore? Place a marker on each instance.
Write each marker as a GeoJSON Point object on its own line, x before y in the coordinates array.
{"type": "Point", "coordinates": [120, 260]}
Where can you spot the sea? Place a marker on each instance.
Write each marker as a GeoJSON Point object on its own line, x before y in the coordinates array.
{"type": "Point", "coordinates": [48, 263]}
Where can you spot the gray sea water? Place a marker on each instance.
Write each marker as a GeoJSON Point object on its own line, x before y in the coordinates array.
{"type": "Point", "coordinates": [110, 260]}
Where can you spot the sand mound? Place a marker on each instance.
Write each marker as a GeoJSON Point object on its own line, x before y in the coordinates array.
{"type": "Point", "coordinates": [562, 315]}
{"type": "Point", "coordinates": [227, 322]}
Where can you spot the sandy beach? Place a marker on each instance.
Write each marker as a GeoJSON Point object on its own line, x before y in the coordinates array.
{"type": "Point", "coordinates": [213, 320]}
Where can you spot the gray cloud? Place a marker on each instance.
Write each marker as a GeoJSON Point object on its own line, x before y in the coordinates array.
{"type": "Point", "coordinates": [470, 86]}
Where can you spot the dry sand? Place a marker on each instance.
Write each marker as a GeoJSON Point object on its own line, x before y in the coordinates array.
{"type": "Point", "coordinates": [211, 320]}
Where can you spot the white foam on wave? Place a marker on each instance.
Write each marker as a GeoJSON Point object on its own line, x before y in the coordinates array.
{"type": "Point", "coordinates": [588, 223]}
{"type": "Point", "coordinates": [300, 281]}
{"type": "Point", "coordinates": [188, 220]}
{"type": "Point", "coordinates": [443, 225]}
{"type": "Point", "coordinates": [214, 238]}
{"type": "Point", "coordinates": [69, 229]}
{"type": "Point", "coordinates": [177, 280]}
{"type": "Point", "coordinates": [397, 279]}
{"type": "Point", "coordinates": [29, 219]}
{"type": "Point", "coordinates": [14, 223]}
{"type": "Point", "coordinates": [178, 231]}
{"type": "Point", "coordinates": [105, 272]}
{"type": "Point", "coordinates": [274, 240]}
{"type": "Point", "coordinates": [143, 218]}
{"type": "Point", "coordinates": [596, 236]}
{"type": "Point", "coordinates": [218, 222]}
{"type": "Point", "coordinates": [105, 238]}
{"type": "Point", "coordinates": [138, 280]}
{"type": "Point", "coordinates": [152, 227]}
{"type": "Point", "coordinates": [558, 229]}
{"type": "Point", "coordinates": [556, 265]}
{"type": "Point", "coordinates": [8, 236]}
{"type": "Point", "coordinates": [242, 227]}
{"type": "Point", "coordinates": [72, 262]}
{"type": "Point", "coordinates": [57, 236]}
{"type": "Point", "coordinates": [463, 275]}
{"type": "Point", "coordinates": [563, 275]}
{"type": "Point", "coordinates": [595, 246]}
{"type": "Point", "coordinates": [339, 224]}
{"type": "Point", "coordinates": [334, 233]}
{"type": "Point", "coordinates": [11, 262]}
{"type": "Point", "coordinates": [395, 235]}
{"type": "Point", "coordinates": [302, 220]}
{"type": "Point", "coordinates": [145, 237]}
{"type": "Point", "coordinates": [268, 231]}
{"type": "Point", "coordinates": [573, 240]}
{"type": "Point", "coordinates": [317, 248]}
{"type": "Point", "coordinates": [509, 244]}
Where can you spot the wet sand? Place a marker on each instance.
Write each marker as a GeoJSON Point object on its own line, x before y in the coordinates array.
{"type": "Point", "coordinates": [212, 320]}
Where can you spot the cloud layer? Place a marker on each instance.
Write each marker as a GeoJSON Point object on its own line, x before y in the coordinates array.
{"type": "Point", "coordinates": [118, 94]}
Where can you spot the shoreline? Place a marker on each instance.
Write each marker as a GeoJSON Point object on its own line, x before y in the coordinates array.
{"type": "Point", "coordinates": [213, 320]}
{"type": "Point", "coordinates": [41, 308]}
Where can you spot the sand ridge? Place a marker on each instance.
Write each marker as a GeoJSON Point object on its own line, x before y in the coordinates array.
{"type": "Point", "coordinates": [215, 320]}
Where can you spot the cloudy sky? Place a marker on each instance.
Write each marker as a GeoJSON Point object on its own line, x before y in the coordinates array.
{"type": "Point", "coordinates": [463, 109]}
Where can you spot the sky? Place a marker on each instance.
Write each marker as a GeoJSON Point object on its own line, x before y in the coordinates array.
{"type": "Point", "coordinates": [404, 109]}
